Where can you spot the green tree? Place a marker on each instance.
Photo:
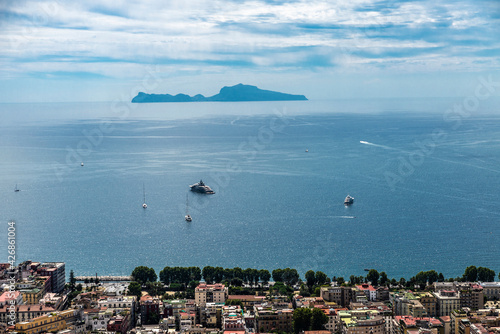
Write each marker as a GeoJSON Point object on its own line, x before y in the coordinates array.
{"type": "Point", "coordinates": [256, 277]}
{"type": "Point", "coordinates": [264, 275]}
{"type": "Point", "coordinates": [238, 272]}
{"type": "Point", "coordinates": [234, 302]}
{"type": "Point", "coordinates": [373, 276]}
{"type": "Point", "coordinates": [310, 278]}
{"type": "Point", "coordinates": [194, 274]}
{"type": "Point", "coordinates": [248, 275]}
{"type": "Point", "coordinates": [154, 288]}
{"type": "Point", "coordinates": [383, 278]}
{"type": "Point", "coordinates": [166, 275]}
{"type": "Point", "coordinates": [301, 319]}
{"type": "Point", "coordinates": [304, 291]}
{"type": "Point", "coordinates": [278, 275]}
{"type": "Point", "coordinates": [318, 319]}
{"type": "Point", "coordinates": [208, 274]}
{"type": "Point", "coordinates": [153, 318]}
{"type": "Point", "coordinates": [79, 287]}
{"type": "Point", "coordinates": [440, 277]}
{"type": "Point", "coordinates": [237, 281]}
{"type": "Point", "coordinates": [402, 281]}
{"type": "Point", "coordinates": [218, 274]}
{"type": "Point", "coordinates": [432, 276]}
{"type": "Point", "coordinates": [279, 288]}
{"type": "Point", "coordinates": [470, 274]}
{"type": "Point", "coordinates": [134, 289]}
{"type": "Point", "coordinates": [321, 277]}
{"type": "Point", "coordinates": [340, 280]}
{"type": "Point", "coordinates": [290, 276]}
{"type": "Point", "coordinates": [193, 284]}
{"type": "Point", "coordinates": [485, 274]}
{"type": "Point", "coordinates": [144, 274]}
{"type": "Point", "coordinates": [72, 280]}
{"type": "Point", "coordinates": [421, 277]}
{"type": "Point", "coordinates": [228, 274]}
{"type": "Point", "coordinates": [72, 295]}
{"type": "Point", "coordinates": [177, 287]}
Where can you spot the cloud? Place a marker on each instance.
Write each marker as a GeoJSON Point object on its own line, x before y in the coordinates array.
{"type": "Point", "coordinates": [102, 37]}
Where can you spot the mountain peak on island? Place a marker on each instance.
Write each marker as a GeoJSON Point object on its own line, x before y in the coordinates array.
{"type": "Point", "coordinates": [236, 93]}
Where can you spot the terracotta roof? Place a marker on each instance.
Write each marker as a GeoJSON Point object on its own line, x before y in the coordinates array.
{"type": "Point", "coordinates": [366, 287]}
{"type": "Point", "coordinates": [411, 321]}
{"type": "Point", "coordinates": [91, 310]}
{"type": "Point", "coordinates": [146, 297]}
{"type": "Point", "coordinates": [234, 332]}
{"type": "Point", "coordinates": [3, 297]}
{"type": "Point", "coordinates": [247, 297]}
{"type": "Point", "coordinates": [316, 332]}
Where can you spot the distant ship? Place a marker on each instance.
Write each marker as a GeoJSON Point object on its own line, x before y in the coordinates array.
{"type": "Point", "coordinates": [200, 187]}
{"type": "Point", "coordinates": [144, 205]}
{"type": "Point", "coordinates": [187, 217]}
{"type": "Point", "coordinates": [349, 200]}
{"type": "Point", "coordinates": [16, 189]}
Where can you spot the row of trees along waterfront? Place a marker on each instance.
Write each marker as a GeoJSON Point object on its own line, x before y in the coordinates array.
{"type": "Point", "coordinates": [237, 276]}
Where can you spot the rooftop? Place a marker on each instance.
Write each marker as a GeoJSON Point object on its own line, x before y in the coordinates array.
{"type": "Point", "coordinates": [368, 287]}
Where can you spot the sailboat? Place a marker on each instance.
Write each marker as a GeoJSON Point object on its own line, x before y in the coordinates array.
{"type": "Point", "coordinates": [187, 217]}
{"type": "Point", "coordinates": [144, 205]}
{"type": "Point", "coordinates": [16, 189]}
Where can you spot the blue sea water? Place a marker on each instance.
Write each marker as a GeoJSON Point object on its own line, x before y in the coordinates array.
{"type": "Point", "coordinates": [425, 184]}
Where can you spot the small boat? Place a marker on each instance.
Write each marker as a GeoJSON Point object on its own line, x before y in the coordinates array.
{"type": "Point", "coordinates": [16, 189]}
{"type": "Point", "coordinates": [348, 200]}
{"type": "Point", "coordinates": [202, 188]}
{"type": "Point", "coordinates": [144, 205]}
{"type": "Point", "coordinates": [187, 217]}
{"type": "Point", "coordinates": [81, 164]}
{"type": "Point", "coordinates": [307, 150]}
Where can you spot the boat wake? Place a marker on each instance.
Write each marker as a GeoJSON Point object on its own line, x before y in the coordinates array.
{"type": "Point", "coordinates": [377, 145]}
{"type": "Point", "coordinates": [343, 217]}
{"type": "Point", "coordinates": [431, 157]}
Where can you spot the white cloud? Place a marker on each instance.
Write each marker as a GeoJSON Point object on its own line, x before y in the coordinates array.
{"type": "Point", "coordinates": [200, 35]}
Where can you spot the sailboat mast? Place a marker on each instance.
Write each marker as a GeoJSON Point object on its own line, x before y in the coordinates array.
{"type": "Point", "coordinates": [144, 192]}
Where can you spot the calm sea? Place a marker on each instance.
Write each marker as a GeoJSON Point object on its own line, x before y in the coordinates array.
{"type": "Point", "coordinates": [425, 183]}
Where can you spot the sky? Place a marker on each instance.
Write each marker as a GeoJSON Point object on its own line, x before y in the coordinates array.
{"type": "Point", "coordinates": [103, 50]}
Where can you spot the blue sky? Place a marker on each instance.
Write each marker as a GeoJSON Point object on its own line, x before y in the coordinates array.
{"type": "Point", "coordinates": [52, 51]}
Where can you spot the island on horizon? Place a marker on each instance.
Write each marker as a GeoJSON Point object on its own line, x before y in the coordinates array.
{"type": "Point", "coordinates": [237, 93]}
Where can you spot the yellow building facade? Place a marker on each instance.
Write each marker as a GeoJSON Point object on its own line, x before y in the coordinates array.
{"type": "Point", "coordinates": [52, 322]}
